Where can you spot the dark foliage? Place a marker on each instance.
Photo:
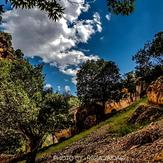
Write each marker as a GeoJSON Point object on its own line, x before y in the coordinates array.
{"type": "Point", "coordinates": [55, 10]}
{"type": "Point", "coordinates": [10, 141]}
{"type": "Point", "coordinates": [25, 106]}
{"type": "Point", "coordinates": [123, 7]}
{"type": "Point", "coordinates": [149, 60]}
{"type": "Point", "coordinates": [52, 8]}
{"type": "Point", "coordinates": [98, 81]}
{"type": "Point", "coordinates": [129, 83]}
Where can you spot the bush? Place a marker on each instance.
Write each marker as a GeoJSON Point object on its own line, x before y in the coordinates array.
{"type": "Point", "coordinates": [10, 143]}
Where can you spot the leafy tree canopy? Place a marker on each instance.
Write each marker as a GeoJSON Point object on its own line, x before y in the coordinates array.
{"type": "Point", "coordinates": [55, 10]}
{"type": "Point", "coordinates": [129, 83]}
{"type": "Point", "coordinates": [98, 81]}
{"type": "Point", "coordinates": [26, 108]}
{"type": "Point", "coordinates": [52, 7]}
{"type": "Point", "coordinates": [149, 59]}
{"type": "Point", "coordinates": [73, 101]}
{"type": "Point", "coordinates": [123, 7]}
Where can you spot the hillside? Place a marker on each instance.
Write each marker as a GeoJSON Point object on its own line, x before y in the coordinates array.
{"type": "Point", "coordinates": [114, 138]}
{"type": "Point", "coordinates": [100, 143]}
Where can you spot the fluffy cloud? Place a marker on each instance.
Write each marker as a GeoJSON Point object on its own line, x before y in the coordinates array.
{"type": "Point", "coordinates": [67, 89]}
{"type": "Point", "coordinates": [101, 38]}
{"type": "Point", "coordinates": [108, 17]}
{"type": "Point", "coordinates": [48, 86]}
{"type": "Point", "coordinates": [74, 80]}
{"type": "Point", "coordinates": [59, 88]}
{"type": "Point", "coordinates": [54, 42]}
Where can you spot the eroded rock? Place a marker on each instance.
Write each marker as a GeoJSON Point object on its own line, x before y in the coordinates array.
{"type": "Point", "coordinates": [147, 135]}
{"type": "Point", "coordinates": [155, 92]}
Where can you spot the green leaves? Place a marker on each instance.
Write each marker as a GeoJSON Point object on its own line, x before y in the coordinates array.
{"type": "Point", "coordinates": [25, 107]}
{"type": "Point", "coordinates": [149, 59]}
{"type": "Point", "coordinates": [97, 81]}
{"type": "Point", "coordinates": [54, 107]}
{"type": "Point", "coordinates": [29, 77]}
{"type": "Point", "coordinates": [121, 7]}
{"type": "Point", "coordinates": [55, 11]}
{"type": "Point", "coordinates": [10, 141]}
{"type": "Point", "coordinates": [15, 104]}
{"type": "Point", "coordinates": [52, 8]}
{"type": "Point", "coordinates": [73, 101]}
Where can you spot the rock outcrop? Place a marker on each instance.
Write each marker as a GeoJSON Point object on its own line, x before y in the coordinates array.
{"type": "Point", "coordinates": [145, 113]}
{"type": "Point", "coordinates": [88, 115]}
{"type": "Point", "coordinates": [155, 92]}
{"type": "Point", "coordinates": [117, 106]}
{"type": "Point", "coordinates": [144, 136]}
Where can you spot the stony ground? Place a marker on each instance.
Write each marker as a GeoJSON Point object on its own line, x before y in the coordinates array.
{"type": "Point", "coordinates": [145, 145]}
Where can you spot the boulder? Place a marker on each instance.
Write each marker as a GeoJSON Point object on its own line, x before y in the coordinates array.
{"type": "Point", "coordinates": [139, 110]}
{"type": "Point", "coordinates": [90, 121]}
{"type": "Point", "coordinates": [155, 92]}
{"type": "Point", "coordinates": [142, 137]}
{"type": "Point", "coordinates": [87, 113]}
{"type": "Point", "coordinates": [145, 113]}
{"type": "Point", "coordinates": [63, 134]}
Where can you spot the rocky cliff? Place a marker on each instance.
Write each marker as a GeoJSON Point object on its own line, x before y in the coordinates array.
{"type": "Point", "coordinates": [117, 106]}
{"type": "Point", "coordinates": [155, 92]}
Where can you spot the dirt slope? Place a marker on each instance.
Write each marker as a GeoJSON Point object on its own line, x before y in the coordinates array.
{"type": "Point", "coordinates": [145, 145]}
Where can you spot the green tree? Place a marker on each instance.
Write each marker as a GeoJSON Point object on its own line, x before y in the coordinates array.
{"type": "Point", "coordinates": [25, 106]}
{"type": "Point", "coordinates": [73, 101]}
{"type": "Point", "coordinates": [29, 77]}
{"type": "Point", "coordinates": [129, 82]}
{"type": "Point", "coordinates": [123, 7]}
{"type": "Point", "coordinates": [98, 81]}
{"type": "Point", "coordinates": [52, 7]}
{"type": "Point", "coordinates": [32, 116]}
{"type": "Point", "coordinates": [149, 59]}
{"type": "Point", "coordinates": [10, 142]}
{"type": "Point", "coordinates": [55, 10]}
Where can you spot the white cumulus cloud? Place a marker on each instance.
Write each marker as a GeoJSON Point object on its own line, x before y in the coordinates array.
{"type": "Point", "coordinates": [67, 89]}
{"type": "Point", "coordinates": [48, 86]}
{"type": "Point", "coordinates": [54, 42]}
{"type": "Point", "coordinates": [108, 17]}
{"type": "Point", "coordinates": [74, 81]}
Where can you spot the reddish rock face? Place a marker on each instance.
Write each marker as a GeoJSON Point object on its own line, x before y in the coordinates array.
{"type": "Point", "coordinates": [88, 115]}
{"type": "Point", "coordinates": [155, 92]}
{"type": "Point", "coordinates": [117, 106]}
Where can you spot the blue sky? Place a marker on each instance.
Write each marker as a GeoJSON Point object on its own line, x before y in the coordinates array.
{"type": "Point", "coordinates": [120, 38]}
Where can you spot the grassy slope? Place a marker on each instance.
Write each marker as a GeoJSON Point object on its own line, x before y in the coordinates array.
{"type": "Point", "coordinates": [117, 124]}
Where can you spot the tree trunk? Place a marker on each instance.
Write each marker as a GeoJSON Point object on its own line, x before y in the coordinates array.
{"type": "Point", "coordinates": [131, 97]}
{"type": "Point", "coordinates": [103, 111]}
{"type": "Point", "coordinates": [35, 144]}
{"type": "Point", "coordinates": [32, 157]}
